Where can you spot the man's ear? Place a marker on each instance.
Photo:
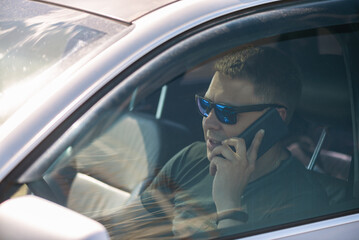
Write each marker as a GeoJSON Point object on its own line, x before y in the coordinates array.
{"type": "Point", "coordinates": [283, 113]}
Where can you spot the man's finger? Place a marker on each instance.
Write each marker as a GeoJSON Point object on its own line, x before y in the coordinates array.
{"type": "Point", "coordinates": [238, 144]}
{"type": "Point", "coordinates": [222, 151]}
{"type": "Point", "coordinates": [215, 165]}
{"type": "Point", "coordinates": [212, 168]}
{"type": "Point", "coordinates": [217, 151]}
{"type": "Point", "coordinates": [253, 150]}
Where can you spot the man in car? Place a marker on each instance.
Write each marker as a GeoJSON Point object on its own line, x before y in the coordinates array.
{"type": "Point", "coordinates": [222, 182]}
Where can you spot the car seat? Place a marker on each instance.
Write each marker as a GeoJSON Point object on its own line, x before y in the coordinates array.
{"type": "Point", "coordinates": [116, 167]}
{"type": "Point", "coordinates": [322, 113]}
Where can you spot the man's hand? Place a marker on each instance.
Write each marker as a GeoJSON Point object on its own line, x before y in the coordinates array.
{"type": "Point", "coordinates": [232, 170]}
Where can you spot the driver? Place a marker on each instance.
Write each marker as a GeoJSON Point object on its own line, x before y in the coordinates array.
{"type": "Point", "coordinates": [222, 182]}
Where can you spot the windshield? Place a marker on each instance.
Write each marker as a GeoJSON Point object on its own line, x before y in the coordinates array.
{"type": "Point", "coordinates": [38, 42]}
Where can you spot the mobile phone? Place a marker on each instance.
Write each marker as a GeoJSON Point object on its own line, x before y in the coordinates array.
{"type": "Point", "coordinates": [274, 127]}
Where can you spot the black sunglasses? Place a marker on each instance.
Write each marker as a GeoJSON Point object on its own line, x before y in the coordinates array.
{"type": "Point", "coordinates": [228, 114]}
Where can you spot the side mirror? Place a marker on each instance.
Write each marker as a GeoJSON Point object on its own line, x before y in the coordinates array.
{"type": "Point", "coordinates": [31, 217]}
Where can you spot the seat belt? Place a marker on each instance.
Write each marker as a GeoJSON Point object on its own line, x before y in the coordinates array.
{"type": "Point", "coordinates": [317, 150]}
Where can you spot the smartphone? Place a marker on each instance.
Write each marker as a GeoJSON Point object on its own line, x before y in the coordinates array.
{"type": "Point", "coordinates": [275, 130]}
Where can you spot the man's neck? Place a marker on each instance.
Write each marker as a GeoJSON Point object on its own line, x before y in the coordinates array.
{"type": "Point", "coordinates": [269, 161]}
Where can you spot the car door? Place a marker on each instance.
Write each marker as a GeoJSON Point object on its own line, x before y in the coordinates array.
{"type": "Point", "coordinates": [104, 160]}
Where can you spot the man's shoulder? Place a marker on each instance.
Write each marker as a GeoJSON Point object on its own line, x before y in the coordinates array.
{"type": "Point", "coordinates": [293, 187]}
{"type": "Point", "coordinates": [296, 172]}
{"type": "Point", "coordinates": [198, 145]}
{"type": "Point", "coordinates": [197, 148]}
{"type": "Point", "coordinates": [193, 151]}
{"type": "Point", "coordinates": [304, 181]}
{"type": "Point", "coordinates": [291, 174]}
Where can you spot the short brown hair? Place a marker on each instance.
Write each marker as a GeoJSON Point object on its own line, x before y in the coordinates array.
{"type": "Point", "coordinates": [275, 77]}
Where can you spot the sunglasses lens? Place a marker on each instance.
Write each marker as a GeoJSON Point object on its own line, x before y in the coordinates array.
{"type": "Point", "coordinates": [203, 106]}
{"type": "Point", "coordinates": [225, 114]}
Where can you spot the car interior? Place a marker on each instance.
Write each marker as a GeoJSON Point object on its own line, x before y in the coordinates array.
{"type": "Point", "coordinates": [103, 174]}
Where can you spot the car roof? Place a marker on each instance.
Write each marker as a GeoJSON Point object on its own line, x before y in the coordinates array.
{"type": "Point", "coordinates": [122, 10]}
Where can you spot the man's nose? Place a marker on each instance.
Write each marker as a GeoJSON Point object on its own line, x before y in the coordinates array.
{"type": "Point", "coordinates": [211, 121]}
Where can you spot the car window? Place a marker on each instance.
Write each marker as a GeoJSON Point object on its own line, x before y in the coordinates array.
{"type": "Point", "coordinates": [160, 155]}
{"type": "Point", "coordinates": [128, 163]}
{"type": "Point", "coordinates": [39, 41]}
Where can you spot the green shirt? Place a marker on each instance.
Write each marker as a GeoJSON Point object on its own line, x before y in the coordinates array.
{"type": "Point", "coordinates": [182, 191]}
